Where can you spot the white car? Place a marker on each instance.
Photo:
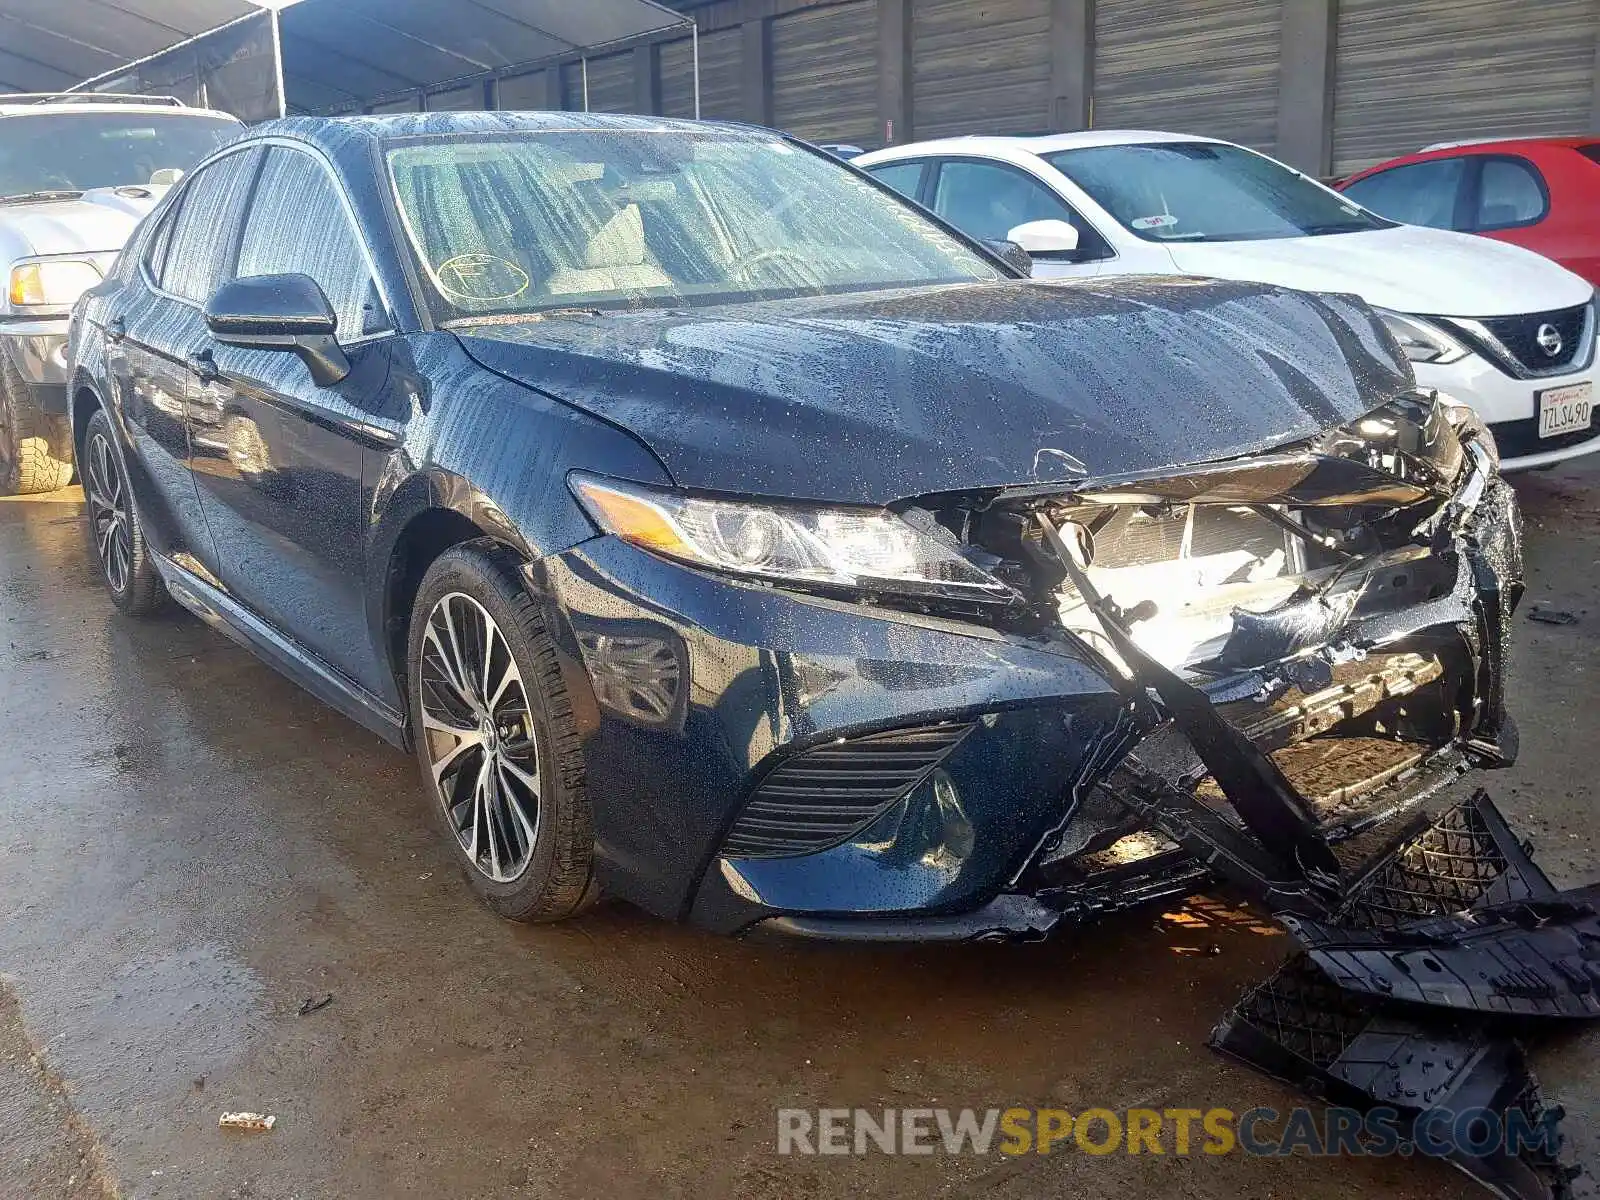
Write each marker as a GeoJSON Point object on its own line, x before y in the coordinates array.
{"type": "Point", "coordinates": [1493, 325]}
{"type": "Point", "coordinates": [77, 172]}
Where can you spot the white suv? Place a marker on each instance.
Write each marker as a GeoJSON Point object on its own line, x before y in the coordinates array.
{"type": "Point", "coordinates": [1496, 326]}
{"type": "Point", "coordinates": [77, 173]}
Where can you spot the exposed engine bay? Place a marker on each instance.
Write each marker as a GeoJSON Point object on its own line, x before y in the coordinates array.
{"type": "Point", "coordinates": [1316, 595]}
{"type": "Point", "coordinates": [1312, 641]}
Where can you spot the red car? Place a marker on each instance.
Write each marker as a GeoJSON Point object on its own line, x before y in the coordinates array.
{"type": "Point", "coordinates": [1541, 193]}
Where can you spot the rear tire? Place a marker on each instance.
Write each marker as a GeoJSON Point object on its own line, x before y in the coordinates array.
{"type": "Point", "coordinates": [495, 737]}
{"type": "Point", "coordinates": [35, 446]}
{"type": "Point", "coordinates": [111, 525]}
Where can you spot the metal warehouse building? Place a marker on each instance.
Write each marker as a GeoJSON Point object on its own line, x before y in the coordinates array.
{"type": "Point", "coordinates": [1328, 85]}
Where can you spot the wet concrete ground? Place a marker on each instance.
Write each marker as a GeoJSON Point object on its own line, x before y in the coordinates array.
{"type": "Point", "coordinates": [190, 847]}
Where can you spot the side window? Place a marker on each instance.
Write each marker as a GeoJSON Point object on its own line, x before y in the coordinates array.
{"type": "Point", "coordinates": [903, 177]}
{"type": "Point", "coordinates": [988, 200]}
{"type": "Point", "coordinates": [1423, 193]}
{"type": "Point", "coordinates": [155, 250]}
{"type": "Point", "coordinates": [195, 257]}
{"type": "Point", "coordinates": [297, 224]}
{"type": "Point", "coordinates": [1509, 193]}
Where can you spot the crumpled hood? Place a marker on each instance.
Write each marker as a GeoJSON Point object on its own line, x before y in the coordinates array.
{"type": "Point", "coordinates": [870, 398]}
{"type": "Point", "coordinates": [1433, 272]}
{"type": "Point", "coordinates": [102, 219]}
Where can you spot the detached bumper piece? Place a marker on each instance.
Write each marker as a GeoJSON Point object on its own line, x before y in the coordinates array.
{"type": "Point", "coordinates": [1408, 994]}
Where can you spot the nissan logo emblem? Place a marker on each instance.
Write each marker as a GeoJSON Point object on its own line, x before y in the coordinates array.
{"type": "Point", "coordinates": [1549, 339]}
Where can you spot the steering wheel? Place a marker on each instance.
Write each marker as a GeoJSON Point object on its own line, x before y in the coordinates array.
{"type": "Point", "coordinates": [745, 266]}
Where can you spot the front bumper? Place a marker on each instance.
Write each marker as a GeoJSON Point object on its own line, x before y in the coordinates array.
{"type": "Point", "coordinates": [1510, 408]}
{"type": "Point", "coordinates": [701, 700]}
{"type": "Point", "coordinates": [37, 350]}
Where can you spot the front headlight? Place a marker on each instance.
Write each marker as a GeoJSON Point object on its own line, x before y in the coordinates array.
{"type": "Point", "coordinates": [856, 549]}
{"type": "Point", "coordinates": [51, 283]}
{"type": "Point", "coordinates": [1422, 341]}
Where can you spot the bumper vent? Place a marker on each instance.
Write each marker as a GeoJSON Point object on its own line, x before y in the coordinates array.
{"type": "Point", "coordinates": [818, 798]}
{"type": "Point", "coordinates": [1522, 344]}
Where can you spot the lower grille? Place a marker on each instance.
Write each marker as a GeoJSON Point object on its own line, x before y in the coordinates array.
{"type": "Point", "coordinates": [1518, 439]}
{"type": "Point", "coordinates": [819, 797]}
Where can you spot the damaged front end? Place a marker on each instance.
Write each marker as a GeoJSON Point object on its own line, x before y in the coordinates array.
{"type": "Point", "coordinates": [1313, 641]}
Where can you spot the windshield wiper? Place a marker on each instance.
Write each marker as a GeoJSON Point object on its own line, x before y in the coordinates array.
{"type": "Point", "coordinates": [1337, 227]}
{"type": "Point", "coordinates": [47, 194]}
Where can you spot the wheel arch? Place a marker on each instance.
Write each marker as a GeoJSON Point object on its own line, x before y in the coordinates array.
{"type": "Point", "coordinates": [427, 515]}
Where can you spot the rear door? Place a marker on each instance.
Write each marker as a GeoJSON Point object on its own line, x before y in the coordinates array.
{"type": "Point", "coordinates": [277, 459]}
{"type": "Point", "coordinates": [151, 331]}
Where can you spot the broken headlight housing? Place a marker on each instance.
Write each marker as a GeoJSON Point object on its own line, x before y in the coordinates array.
{"type": "Point", "coordinates": [844, 549]}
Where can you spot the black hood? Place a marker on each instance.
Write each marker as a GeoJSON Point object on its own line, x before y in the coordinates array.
{"type": "Point", "coordinates": [876, 397]}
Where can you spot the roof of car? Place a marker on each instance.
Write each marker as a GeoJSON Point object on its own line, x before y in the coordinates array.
{"type": "Point", "coordinates": [1505, 145]}
{"type": "Point", "coordinates": [1486, 142]}
{"type": "Point", "coordinates": [1044, 143]}
{"type": "Point", "coordinates": [36, 108]}
{"type": "Point", "coordinates": [331, 132]}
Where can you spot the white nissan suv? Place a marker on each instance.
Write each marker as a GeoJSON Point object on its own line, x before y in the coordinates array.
{"type": "Point", "coordinates": [1493, 325]}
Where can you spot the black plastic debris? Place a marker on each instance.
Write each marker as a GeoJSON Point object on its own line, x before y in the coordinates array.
{"type": "Point", "coordinates": [1410, 993]}
{"type": "Point", "coordinates": [1552, 616]}
{"type": "Point", "coordinates": [1302, 1029]}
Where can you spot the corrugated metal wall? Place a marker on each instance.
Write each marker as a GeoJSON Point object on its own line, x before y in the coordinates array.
{"type": "Point", "coordinates": [610, 84]}
{"type": "Point", "coordinates": [980, 66]}
{"type": "Point", "coordinates": [721, 75]}
{"type": "Point", "coordinates": [1412, 72]}
{"type": "Point", "coordinates": [825, 73]}
{"type": "Point", "coordinates": [1192, 66]}
{"type": "Point", "coordinates": [528, 92]}
{"type": "Point", "coordinates": [463, 99]}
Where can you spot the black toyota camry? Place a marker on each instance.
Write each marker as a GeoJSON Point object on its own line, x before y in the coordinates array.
{"type": "Point", "coordinates": [726, 534]}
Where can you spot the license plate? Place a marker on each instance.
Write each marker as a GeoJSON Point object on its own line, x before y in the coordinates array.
{"type": "Point", "coordinates": [1565, 409]}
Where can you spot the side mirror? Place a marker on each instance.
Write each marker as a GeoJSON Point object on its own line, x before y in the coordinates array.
{"type": "Point", "coordinates": [1047, 239]}
{"type": "Point", "coordinates": [280, 312]}
{"type": "Point", "coordinates": [1013, 255]}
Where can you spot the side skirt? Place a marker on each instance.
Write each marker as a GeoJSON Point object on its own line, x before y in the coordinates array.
{"type": "Point", "coordinates": [227, 616]}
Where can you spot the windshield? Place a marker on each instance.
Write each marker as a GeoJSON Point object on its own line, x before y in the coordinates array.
{"type": "Point", "coordinates": [1208, 192]}
{"type": "Point", "coordinates": [72, 152]}
{"type": "Point", "coordinates": [580, 219]}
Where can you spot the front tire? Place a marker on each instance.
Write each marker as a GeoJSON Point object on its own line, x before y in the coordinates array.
{"type": "Point", "coordinates": [35, 446]}
{"type": "Point", "coordinates": [495, 738]}
{"type": "Point", "coordinates": [111, 525]}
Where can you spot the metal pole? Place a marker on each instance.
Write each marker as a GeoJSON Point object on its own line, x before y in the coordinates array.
{"type": "Point", "coordinates": [584, 64]}
{"type": "Point", "coordinates": [694, 47]}
{"type": "Point", "coordinates": [277, 62]}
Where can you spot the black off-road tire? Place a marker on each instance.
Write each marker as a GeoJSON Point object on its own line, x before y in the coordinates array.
{"type": "Point", "coordinates": [35, 446]}
{"type": "Point", "coordinates": [558, 881]}
{"type": "Point", "coordinates": [141, 592]}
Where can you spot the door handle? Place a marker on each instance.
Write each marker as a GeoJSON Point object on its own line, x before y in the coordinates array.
{"type": "Point", "coordinates": [116, 330]}
{"type": "Point", "coordinates": [204, 366]}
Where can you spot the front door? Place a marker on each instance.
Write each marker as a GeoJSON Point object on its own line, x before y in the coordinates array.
{"type": "Point", "coordinates": [278, 460]}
